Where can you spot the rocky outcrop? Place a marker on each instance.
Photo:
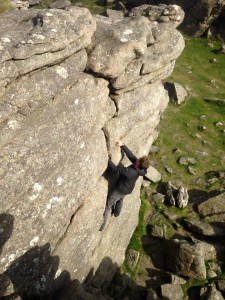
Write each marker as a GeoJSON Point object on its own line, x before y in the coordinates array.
{"type": "Point", "coordinates": [201, 17]}
{"type": "Point", "coordinates": [176, 92]}
{"type": "Point", "coordinates": [71, 85]}
{"type": "Point", "coordinates": [184, 258]}
{"type": "Point", "coordinates": [212, 209]}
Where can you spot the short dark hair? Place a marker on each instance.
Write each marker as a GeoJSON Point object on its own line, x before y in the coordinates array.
{"type": "Point", "coordinates": [144, 162]}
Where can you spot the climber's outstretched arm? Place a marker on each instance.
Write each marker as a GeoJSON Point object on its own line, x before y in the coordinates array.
{"type": "Point", "coordinates": [127, 151]}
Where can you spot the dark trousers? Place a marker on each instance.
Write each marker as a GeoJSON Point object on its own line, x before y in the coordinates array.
{"type": "Point", "coordinates": [114, 205]}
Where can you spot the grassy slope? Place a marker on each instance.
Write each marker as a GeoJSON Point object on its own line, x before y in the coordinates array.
{"type": "Point", "coordinates": [174, 132]}
{"type": "Point", "coordinates": [94, 6]}
{"type": "Point", "coordinates": [195, 70]}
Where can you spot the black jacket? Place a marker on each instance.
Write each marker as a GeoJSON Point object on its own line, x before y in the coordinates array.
{"type": "Point", "coordinates": [128, 175]}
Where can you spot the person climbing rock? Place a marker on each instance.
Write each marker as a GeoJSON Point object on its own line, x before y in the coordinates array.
{"type": "Point", "coordinates": [126, 182]}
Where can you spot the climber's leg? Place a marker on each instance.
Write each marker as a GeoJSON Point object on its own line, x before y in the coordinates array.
{"type": "Point", "coordinates": [113, 197]}
{"type": "Point", "coordinates": [118, 207]}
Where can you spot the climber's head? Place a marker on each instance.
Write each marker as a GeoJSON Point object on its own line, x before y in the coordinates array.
{"type": "Point", "coordinates": [143, 163]}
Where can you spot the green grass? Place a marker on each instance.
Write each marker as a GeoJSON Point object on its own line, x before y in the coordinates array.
{"type": "Point", "coordinates": [194, 69]}
{"type": "Point", "coordinates": [5, 5]}
{"type": "Point", "coordinates": [196, 58]}
{"type": "Point", "coordinates": [94, 6]}
{"type": "Point", "coordinates": [135, 242]}
{"type": "Point", "coordinates": [181, 122]}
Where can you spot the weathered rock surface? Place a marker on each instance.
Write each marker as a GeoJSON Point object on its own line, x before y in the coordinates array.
{"type": "Point", "coordinates": [172, 291]}
{"type": "Point", "coordinates": [176, 92]}
{"type": "Point", "coordinates": [176, 196]}
{"type": "Point", "coordinates": [204, 228]}
{"type": "Point", "coordinates": [60, 4]}
{"type": "Point", "coordinates": [210, 293]}
{"type": "Point", "coordinates": [153, 174]}
{"type": "Point", "coordinates": [185, 259]}
{"type": "Point", "coordinates": [57, 126]}
{"type": "Point", "coordinates": [212, 209]}
{"type": "Point", "coordinates": [200, 16]}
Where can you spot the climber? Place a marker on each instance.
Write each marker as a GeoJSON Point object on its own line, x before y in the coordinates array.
{"type": "Point", "coordinates": [126, 182]}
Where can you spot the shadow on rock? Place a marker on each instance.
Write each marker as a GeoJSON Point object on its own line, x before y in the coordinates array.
{"type": "Point", "coordinates": [104, 284]}
{"type": "Point", "coordinates": [6, 228]}
{"type": "Point", "coordinates": [155, 248]}
{"type": "Point", "coordinates": [196, 197]}
{"type": "Point", "coordinates": [34, 275]}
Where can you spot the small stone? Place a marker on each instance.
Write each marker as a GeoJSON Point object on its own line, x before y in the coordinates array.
{"type": "Point", "coordinates": [153, 175]}
{"type": "Point", "coordinates": [187, 88]}
{"type": "Point", "coordinates": [204, 142]}
{"type": "Point", "coordinates": [177, 151]}
{"type": "Point", "coordinates": [172, 291]}
{"type": "Point", "coordinates": [212, 180]}
{"type": "Point", "coordinates": [132, 257]}
{"type": "Point", "coordinates": [154, 149]}
{"type": "Point", "coordinates": [211, 45]}
{"type": "Point", "coordinates": [187, 160]}
{"type": "Point", "coordinates": [202, 153]}
{"type": "Point", "coordinates": [182, 197]}
{"type": "Point", "coordinates": [145, 183]}
{"type": "Point", "coordinates": [170, 216]}
{"type": "Point", "coordinates": [6, 286]}
{"type": "Point", "coordinates": [152, 295]}
{"type": "Point", "coordinates": [196, 135]}
{"type": "Point", "coordinates": [202, 117]}
{"type": "Point", "coordinates": [157, 231]}
{"type": "Point", "coordinates": [222, 49]}
{"type": "Point", "coordinates": [158, 198]}
{"type": "Point", "coordinates": [197, 180]}
{"type": "Point", "coordinates": [221, 285]}
{"type": "Point", "coordinates": [214, 266]}
{"type": "Point", "coordinates": [175, 279]}
{"type": "Point", "coordinates": [212, 274]}
{"type": "Point", "coordinates": [60, 4]}
{"type": "Point", "coordinates": [187, 124]}
{"type": "Point", "coordinates": [219, 124]}
{"type": "Point", "coordinates": [191, 170]}
{"type": "Point", "coordinates": [213, 60]}
{"type": "Point", "coordinates": [201, 128]}
{"type": "Point", "coordinates": [168, 169]}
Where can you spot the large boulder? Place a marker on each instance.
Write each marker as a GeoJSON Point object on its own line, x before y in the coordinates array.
{"type": "Point", "coordinates": [203, 228]}
{"type": "Point", "coordinates": [57, 125]}
{"type": "Point", "coordinates": [212, 209]}
{"type": "Point", "coordinates": [124, 49]}
{"type": "Point", "coordinates": [210, 292]}
{"type": "Point", "coordinates": [171, 291]}
{"type": "Point", "coordinates": [185, 259]}
{"type": "Point", "coordinates": [35, 39]}
{"type": "Point", "coordinates": [200, 15]}
{"type": "Point", "coordinates": [176, 92]}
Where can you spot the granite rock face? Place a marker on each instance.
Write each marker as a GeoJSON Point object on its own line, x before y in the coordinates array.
{"type": "Point", "coordinates": [185, 259]}
{"type": "Point", "coordinates": [201, 16]}
{"type": "Point", "coordinates": [66, 96]}
{"type": "Point", "coordinates": [212, 209]}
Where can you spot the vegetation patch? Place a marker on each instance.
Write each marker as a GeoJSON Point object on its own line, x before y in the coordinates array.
{"type": "Point", "coordinates": [95, 7]}
{"type": "Point", "coordinates": [5, 5]}
{"type": "Point", "coordinates": [199, 69]}
{"type": "Point", "coordinates": [197, 129]}
{"type": "Point", "coordinates": [135, 242]}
